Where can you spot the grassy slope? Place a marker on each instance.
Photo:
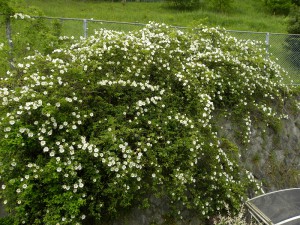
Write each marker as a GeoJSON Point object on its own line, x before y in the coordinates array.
{"type": "Point", "coordinates": [245, 15]}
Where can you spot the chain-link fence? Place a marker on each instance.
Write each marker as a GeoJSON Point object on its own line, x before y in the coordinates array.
{"type": "Point", "coordinates": [283, 48]}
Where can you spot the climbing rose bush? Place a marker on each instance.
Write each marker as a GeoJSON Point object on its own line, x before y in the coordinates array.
{"type": "Point", "coordinates": [106, 122]}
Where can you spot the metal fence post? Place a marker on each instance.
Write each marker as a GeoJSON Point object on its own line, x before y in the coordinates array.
{"type": "Point", "coordinates": [85, 28]}
{"type": "Point", "coordinates": [267, 44]}
{"type": "Point", "coordinates": [8, 31]}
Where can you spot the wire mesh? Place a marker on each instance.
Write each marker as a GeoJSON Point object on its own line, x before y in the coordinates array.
{"type": "Point", "coordinates": [111, 25]}
{"type": "Point", "coordinates": [284, 49]}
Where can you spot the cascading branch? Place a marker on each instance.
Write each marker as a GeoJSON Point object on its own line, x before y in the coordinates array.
{"type": "Point", "coordinates": [105, 122]}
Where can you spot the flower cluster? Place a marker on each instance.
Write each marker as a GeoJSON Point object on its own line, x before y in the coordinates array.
{"type": "Point", "coordinates": [108, 120]}
{"type": "Point", "coordinates": [21, 16]}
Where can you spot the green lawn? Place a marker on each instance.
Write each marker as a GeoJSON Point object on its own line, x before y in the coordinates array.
{"type": "Point", "coordinates": [245, 15]}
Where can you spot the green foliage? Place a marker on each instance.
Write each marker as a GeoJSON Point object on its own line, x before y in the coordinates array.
{"type": "Point", "coordinates": [222, 5]}
{"type": "Point", "coordinates": [7, 220]}
{"type": "Point", "coordinates": [4, 57]}
{"type": "Point", "coordinates": [33, 35]}
{"type": "Point", "coordinates": [292, 41]}
{"type": "Point", "coordinates": [279, 7]}
{"type": "Point", "coordinates": [296, 2]}
{"type": "Point", "coordinates": [244, 15]}
{"type": "Point", "coordinates": [6, 8]}
{"type": "Point", "coordinates": [184, 4]}
{"type": "Point", "coordinates": [100, 125]}
{"type": "Point", "coordinates": [294, 21]}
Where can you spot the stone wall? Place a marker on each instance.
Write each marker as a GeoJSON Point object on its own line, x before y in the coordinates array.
{"type": "Point", "coordinates": [273, 155]}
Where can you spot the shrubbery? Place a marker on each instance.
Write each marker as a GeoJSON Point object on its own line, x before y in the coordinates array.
{"type": "Point", "coordinates": [24, 34]}
{"type": "Point", "coordinates": [104, 123]}
{"type": "Point", "coordinates": [219, 5]}
{"type": "Point", "coordinates": [184, 4]}
{"type": "Point", "coordinates": [292, 41]}
{"type": "Point", "coordinates": [222, 5]}
{"type": "Point", "coordinates": [279, 7]}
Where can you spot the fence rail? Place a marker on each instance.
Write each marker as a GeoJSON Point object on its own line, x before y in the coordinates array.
{"type": "Point", "coordinates": [284, 48]}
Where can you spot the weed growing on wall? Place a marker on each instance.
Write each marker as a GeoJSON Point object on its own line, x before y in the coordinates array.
{"type": "Point", "coordinates": [99, 125]}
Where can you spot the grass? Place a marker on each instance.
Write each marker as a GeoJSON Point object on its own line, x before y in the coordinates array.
{"type": "Point", "coordinates": [244, 15]}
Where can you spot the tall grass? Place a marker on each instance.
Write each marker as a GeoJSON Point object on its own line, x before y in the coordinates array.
{"type": "Point", "coordinates": [244, 15]}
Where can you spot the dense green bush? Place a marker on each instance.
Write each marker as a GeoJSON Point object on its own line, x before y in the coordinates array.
{"type": "Point", "coordinates": [293, 41]}
{"type": "Point", "coordinates": [34, 34]}
{"type": "Point", "coordinates": [184, 4]}
{"type": "Point", "coordinates": [100, 125]}
{"type": "Point", "coordinates": [7, 220]}
{"type": "Point", "coordinates": [279, 7]}
{"type": "Point", "coordinates": [221, 5]}
{"type": "Point", "coordinates": [24, 34]}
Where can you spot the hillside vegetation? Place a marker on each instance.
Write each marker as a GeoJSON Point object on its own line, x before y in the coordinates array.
{"type": "Point", "coordinates": [244, 15]}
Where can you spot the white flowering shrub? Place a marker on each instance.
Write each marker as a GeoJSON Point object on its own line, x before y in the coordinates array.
{"type": "Point", "coordinates": [104, 123]}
